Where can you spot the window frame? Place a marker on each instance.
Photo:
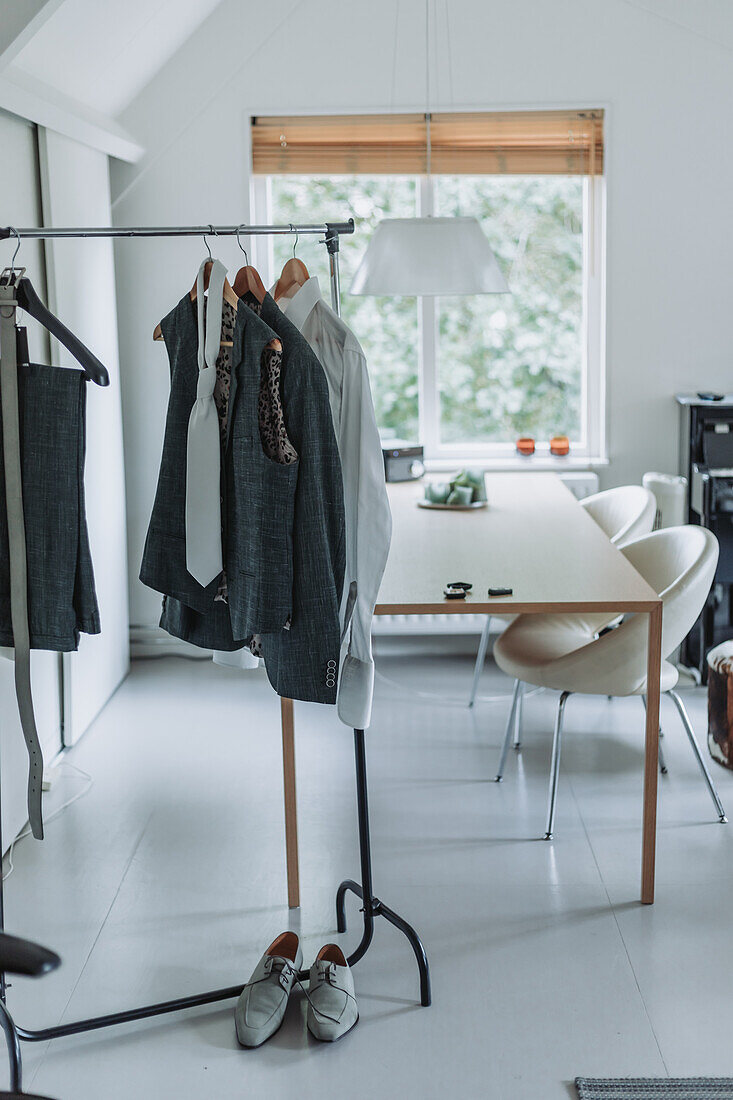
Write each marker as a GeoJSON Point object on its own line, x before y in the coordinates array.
{"type": "Point", "coordinates": [591, 448]}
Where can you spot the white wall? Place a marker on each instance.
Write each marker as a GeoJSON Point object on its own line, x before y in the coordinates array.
{"type": "Point", "coordinates": [667, 91]}
{"type": "Point", "coordinates": [68, 184]}
{"type": "Point", "coordinates": [81, 282]}
{"type": "Point", "coordinates": [20, 200]}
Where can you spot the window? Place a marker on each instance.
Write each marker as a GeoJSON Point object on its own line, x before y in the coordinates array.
{"type": "Point", "coordinates": [464, 376]}
{"type": "Point", "coordinates": [512, 364]}
{"type": "Point", "coordinates": [387, 328]}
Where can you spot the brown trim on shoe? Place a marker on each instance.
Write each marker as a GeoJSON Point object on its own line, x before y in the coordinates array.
{"type": "Point", "coordinates": [331, 952]}
{"type": "Point", "coordinates": [285, 946]}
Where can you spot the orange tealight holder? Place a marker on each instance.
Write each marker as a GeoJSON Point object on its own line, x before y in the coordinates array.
{"type": "Point", "coordinates": [525, 445]}
{"type": "Point", "coordinates": [559, 445]}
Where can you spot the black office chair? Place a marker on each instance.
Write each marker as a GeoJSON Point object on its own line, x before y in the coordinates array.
{"type": "Point", "coordinates": [21, 957]}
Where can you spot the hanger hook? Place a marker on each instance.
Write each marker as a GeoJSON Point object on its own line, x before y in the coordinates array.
{"type": "Point", "coordinates": [240, 243]}
{"type": "Point", "coordinates": [17, 249]}
{"type": "Point", "coordinates": [213, 232]}
{"type": "Point", "coordinates": [293, 229]}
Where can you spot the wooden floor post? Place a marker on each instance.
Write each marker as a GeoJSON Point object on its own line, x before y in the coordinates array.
{"type": "Point", "coordinates": [291, 809]}
{"type": "Point", "coordinates": [651, 758]}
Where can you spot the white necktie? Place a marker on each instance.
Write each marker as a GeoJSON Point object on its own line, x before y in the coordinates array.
{"type": "Point", "coordinates": [203, 456]}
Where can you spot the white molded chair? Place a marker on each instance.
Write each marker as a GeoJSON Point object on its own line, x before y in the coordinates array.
{"type": "Point", "coordinates": [566, 653]}
{"type": "Point", "coordinates": [624, 513]}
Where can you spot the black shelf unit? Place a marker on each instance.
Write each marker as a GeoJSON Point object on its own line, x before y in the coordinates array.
{"type": "Point", "coordinates": [706, 460]}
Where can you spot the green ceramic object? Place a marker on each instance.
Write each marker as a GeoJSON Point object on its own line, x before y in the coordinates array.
{"type": "Point", "coordinates": [473, 480]}
{"type": "Point", "coordinates": [461, 494]}
{"type": "Point", "coordinates": [478, 480]}
{"type": "Point", "coordinates": [462, 478]}
{"type": "Point", "coordinates": [466, 487]}
{"type": "Point", "coordinates": [437, 492]}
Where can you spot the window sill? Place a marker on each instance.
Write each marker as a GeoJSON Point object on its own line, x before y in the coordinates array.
{"type": "Point", "coordinates": [533, 464]}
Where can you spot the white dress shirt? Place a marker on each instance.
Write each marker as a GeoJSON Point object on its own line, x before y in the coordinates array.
{"type": "Point", "coordinates": [368, 518]}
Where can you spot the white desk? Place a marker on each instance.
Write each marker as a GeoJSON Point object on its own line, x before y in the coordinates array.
{"type": "Point", "coordinates": [536, 539]}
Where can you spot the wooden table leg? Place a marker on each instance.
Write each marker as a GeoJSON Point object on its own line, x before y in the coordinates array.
{"type": "Point", "coordinates": [651, 759]}
{"type": "Point", "coordinates": [291, 810]}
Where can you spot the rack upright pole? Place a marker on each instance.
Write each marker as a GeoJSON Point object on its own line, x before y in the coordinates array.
{"type": "Point", "coordinates": [332, 245]}
{"type": "Point", "coordinates": [287, 711]}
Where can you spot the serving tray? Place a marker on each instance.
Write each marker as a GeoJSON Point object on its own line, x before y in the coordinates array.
{"type": "Point", "coordinates": [453, 507]}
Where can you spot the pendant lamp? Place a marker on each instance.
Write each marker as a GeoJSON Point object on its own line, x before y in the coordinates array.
{"type": "Point", "coordinates": [428, 256]}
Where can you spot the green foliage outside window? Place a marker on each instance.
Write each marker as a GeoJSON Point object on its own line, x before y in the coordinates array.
{"type": "Point", "coordinates": [507, 365]}
{"type": "Point", "coordinates": [385, 327]}
{"type": "Point", "coordinates": [511, 364]}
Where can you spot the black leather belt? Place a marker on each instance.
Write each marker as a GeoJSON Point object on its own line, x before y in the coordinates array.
{"type": "Point", "coordinates": [17, 550]}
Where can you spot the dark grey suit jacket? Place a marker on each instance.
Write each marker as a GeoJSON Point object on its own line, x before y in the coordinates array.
{"type": "Point", "coordinates": [283, 525]}
{"type": "Point", "coordinates": [302, 663]}
{"type": "Point", "coordinates": [257, 493]}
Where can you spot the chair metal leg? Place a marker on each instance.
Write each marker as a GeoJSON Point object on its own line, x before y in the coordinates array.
{"type": "Point", "coordinates": [555, 766]}
{"type": "Point", "coordinates": [509, 730]}
{"type": "Point", "coordinates": [518, 719]}
{"type": "Point", "coordinates": [660, 754]}
{"type": "Point", "coordinates": [480, 659]}
{"type": "Point", "coordinates": [696, 749]}
{"type": "Point", "coordinates": [662, 761]}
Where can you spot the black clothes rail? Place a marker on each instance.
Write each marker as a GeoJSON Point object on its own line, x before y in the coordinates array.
{"type": "Point", "coordinates": [371, 905]}
{"type": "Point", "coordinates": [331, 231]}
{"type": "Point", "coordinates": [51, 232]}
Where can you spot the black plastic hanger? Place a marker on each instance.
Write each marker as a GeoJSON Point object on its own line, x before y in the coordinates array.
{"type": "Point", "coordinates": [29, 301]}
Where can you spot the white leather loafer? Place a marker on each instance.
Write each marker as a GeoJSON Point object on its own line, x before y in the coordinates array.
{"type": "Point", "coordinates": [332, 1007]}
{"type": "Point", "coordinates": [262, 1002]}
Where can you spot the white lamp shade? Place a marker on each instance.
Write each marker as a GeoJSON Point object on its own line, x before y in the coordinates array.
{"type": "Point", "coordinates": [428, 256]}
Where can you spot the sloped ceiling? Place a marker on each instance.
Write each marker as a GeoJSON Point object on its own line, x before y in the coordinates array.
{"type": "Point", "coordinates": [102, 53]}
{"type": "Point", "coordinates": [20, 22]}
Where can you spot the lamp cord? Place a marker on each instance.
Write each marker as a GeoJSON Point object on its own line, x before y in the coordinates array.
{"type": "Point", "coordinates": [449, 52]}
{"type": "Point", "coordinates": [394, 56]}
{"type": "Point", "coordinates": [428, 156]}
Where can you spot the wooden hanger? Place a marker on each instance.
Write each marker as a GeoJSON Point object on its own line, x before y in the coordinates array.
{"type": "Point", "coordinates": [294, 274]}
{"type": "Point", "coordinates": [229, 296]}
{"type": "Point", "coordinates": [248, 279]}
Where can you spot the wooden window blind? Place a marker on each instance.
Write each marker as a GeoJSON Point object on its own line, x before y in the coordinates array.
{"type": "Point", "coordinates": [475, 143]}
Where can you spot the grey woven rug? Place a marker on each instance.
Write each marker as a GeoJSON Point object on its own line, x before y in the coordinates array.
{"type": "Point", "coordinates": [655, 1088]}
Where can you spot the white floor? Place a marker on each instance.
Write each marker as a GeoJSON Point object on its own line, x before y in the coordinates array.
{"type": "Point", "coordinates": [168, 878]}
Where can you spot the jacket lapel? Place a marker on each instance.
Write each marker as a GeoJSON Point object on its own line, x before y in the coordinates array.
{"type": "Point", "coordinates": [251, 336]}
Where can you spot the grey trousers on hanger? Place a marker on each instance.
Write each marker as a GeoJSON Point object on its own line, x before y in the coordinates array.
{"type": "Point", "coordinates": [62, 600]}
{"type": "Point", "coordinates": [46, 583]}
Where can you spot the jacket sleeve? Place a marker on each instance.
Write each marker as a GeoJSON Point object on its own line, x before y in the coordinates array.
{"type": "Point", "coordinates": [308, 652]}
{"type": "Point", "coordinates": [368, 534]}
{"type": "Point", "coordinates": [319, 502]}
